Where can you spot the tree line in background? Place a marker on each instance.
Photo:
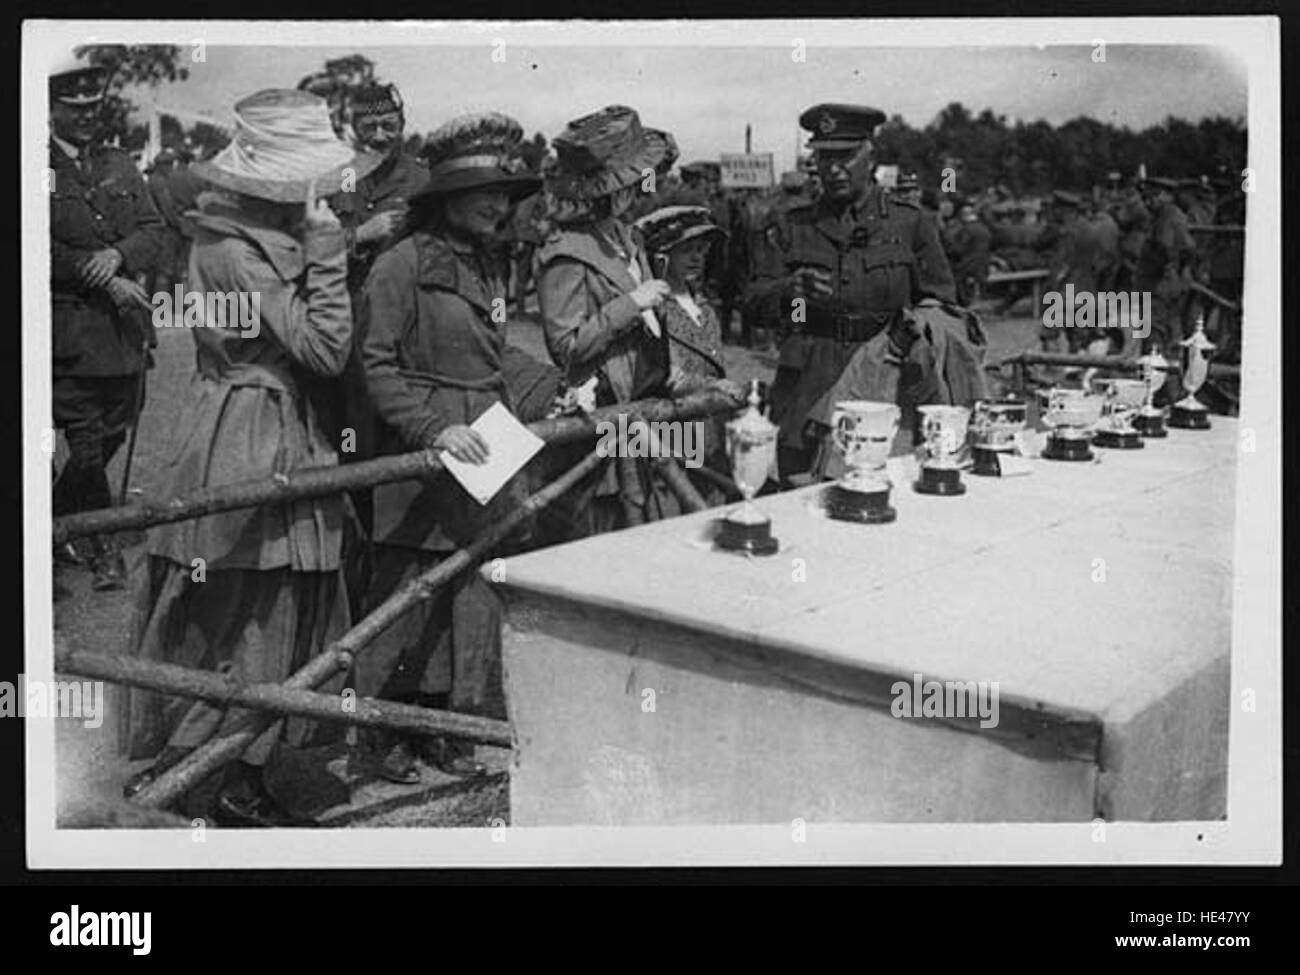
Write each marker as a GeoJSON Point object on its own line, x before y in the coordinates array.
{"type": "Point", "coordinates": [1025, 158]}
{"type": "Point", "coordinates": [1029, 158]}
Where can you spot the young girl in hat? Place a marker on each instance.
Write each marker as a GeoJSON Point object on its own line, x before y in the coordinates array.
{"type": "Point", "coordinates": [254, 592]}
{"type": "Point", "coordinates": [678, 239]}
{"type": "Point", "coordinates": [433, 313]}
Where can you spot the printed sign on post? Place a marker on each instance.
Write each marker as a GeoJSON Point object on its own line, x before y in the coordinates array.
{"type": "Point", "coordinates": [747, 170]}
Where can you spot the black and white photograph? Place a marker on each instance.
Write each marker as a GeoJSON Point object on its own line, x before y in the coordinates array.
{"type": "Point", "coordinates": [641, 443]}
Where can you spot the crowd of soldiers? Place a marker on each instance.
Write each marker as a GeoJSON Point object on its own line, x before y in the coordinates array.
{"type": "Point", "coordinates": [383, 278]}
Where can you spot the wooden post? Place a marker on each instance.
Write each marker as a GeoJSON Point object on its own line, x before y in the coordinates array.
{"type": "Point", "coordinates": [208, 685]}
{"type": "Point", "coordinates": [207, 758]}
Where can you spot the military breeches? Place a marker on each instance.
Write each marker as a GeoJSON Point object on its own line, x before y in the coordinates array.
{"type": "Point", "coordinates": [94, 412]}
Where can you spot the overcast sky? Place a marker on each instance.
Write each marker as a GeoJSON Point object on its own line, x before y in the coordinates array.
{"type": "Point", "coordinates": [705, 95]}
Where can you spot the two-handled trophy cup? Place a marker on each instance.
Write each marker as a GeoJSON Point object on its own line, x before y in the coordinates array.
{"type": "Point", "coordinates": [1150, 419]}
{"type": "Point", "coordinates": [863, 431]}
{"type": "Point", "coordinates": [751, 448]}
{"type": "Point", "coordinates": [1072, 414]}
{"type": "Point", "coordinates": [944, 431]}
{"type": "Point", "coordinates": [1189, 413]}
{"type": "Point", "coordinates": [1123, 398]}
{"type": "Point", "coordinates": [995, 428]}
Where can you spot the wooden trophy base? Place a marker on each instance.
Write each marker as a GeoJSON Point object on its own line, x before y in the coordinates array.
{"type": "Point", "coordinates": [748, 538]}
{"type": "Point", "coordinates": [986, 462]}
{"type": "Point", "coordinates": [1150, 425]}
{"type": "Point", "coordinates": [862, 507]}
{"type": "Point", "coordinates": [1195, 417]}
{"type": "Point", "coordinates": [1067, 448]}
{"type": "Point", "coordinates": [940, 480]}
{"type": "Point", "coordinates": [1119, 439]}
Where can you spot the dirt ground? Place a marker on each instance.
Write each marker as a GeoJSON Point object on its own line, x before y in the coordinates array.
{"type": "Point", "coordinates": [324, 783]}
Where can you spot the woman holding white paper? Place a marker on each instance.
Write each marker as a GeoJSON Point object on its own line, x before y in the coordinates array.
{"type": "Point", "coordinates": [433, 313]}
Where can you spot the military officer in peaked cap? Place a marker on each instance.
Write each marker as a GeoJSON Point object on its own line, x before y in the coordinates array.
{"type": "Point", "coordinates": [839, 272]}
{"type": "Point", "coordinates": [105, 237]}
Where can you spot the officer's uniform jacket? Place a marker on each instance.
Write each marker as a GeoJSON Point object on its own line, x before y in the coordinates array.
{"type": "Point", "coordinates": [1167, 249]}
{"type": "Point", "coordinates": [388, 187]}
{"type": "Point", "coordinates": [882, 256]}
{"type": "Point", "coordinates": [102, 203]}
{"type": "Point", "coordinates": [1085, 255]}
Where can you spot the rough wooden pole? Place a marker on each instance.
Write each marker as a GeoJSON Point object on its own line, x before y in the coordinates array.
{"type": "Point", "coordinates": [1217, 370]}
{"type": "Point", "coordinates": [681, 486]}
{"type": "Point", "coordinates": [207, 758]}
{"type": "Point", "coordinates": [719, 481]}
{"type": "Point", "coordinates": [208, 685]}
{"type": "Point", "coordinates": [319, 481]}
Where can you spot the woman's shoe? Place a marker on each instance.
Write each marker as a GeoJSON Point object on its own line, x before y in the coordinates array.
{"type": "Point", "coordinates": [455, 756]}
{"type": "Point", "coordinates": [398, 764]}
{"type": "Point", "coordinates": [245, 803]}
{"type": "Point", "coordinates": [254, 812]}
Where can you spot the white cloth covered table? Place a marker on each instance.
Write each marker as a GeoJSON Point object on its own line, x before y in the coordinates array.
{"type": "Point", "coordinates": [651, 680]}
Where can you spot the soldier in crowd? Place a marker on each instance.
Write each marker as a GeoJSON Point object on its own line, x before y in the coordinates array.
{"type": "Point", "coordinates": [373, 215]}
{"type": "Point", "coordinates": [968, 251]}
{"type": "Point", "coordinates": [1168, 256]}
{"type": "Point", "coordinates": [1134, 221]}
{"type": "Point", "coordinates": [1085, 258]}
{"type": "Point", "coordinates": [908, 187]}
{"type": "Point", "coordinates": [174, 189]}
{"type": "Point", "coordinates": [764, 214]}
{"type": "Point", "coordinates": [1195, 197]}
{"type": "Point", "coordinates": [1223, 261]}
{"type": "Point", "coordinates": [840, 273]}
{"type": "Point", "coordinates": [105, 239]}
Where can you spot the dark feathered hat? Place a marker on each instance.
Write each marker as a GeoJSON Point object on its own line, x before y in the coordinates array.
{"type": "Point", "coordinates": [475, 151]}
{"type": "Point", "coordinates": [607, 151]}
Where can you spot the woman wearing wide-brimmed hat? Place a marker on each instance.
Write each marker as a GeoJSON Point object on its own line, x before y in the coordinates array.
{"type": "Point", "coordinates": [433, 313]}
{"type": "Point", "coordinates": [598, 296]}
{"type": "Point", "coordinates": [255, 592]}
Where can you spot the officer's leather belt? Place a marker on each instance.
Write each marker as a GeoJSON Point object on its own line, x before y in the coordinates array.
{"type": "Point", "coordinates": [846, 328]}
